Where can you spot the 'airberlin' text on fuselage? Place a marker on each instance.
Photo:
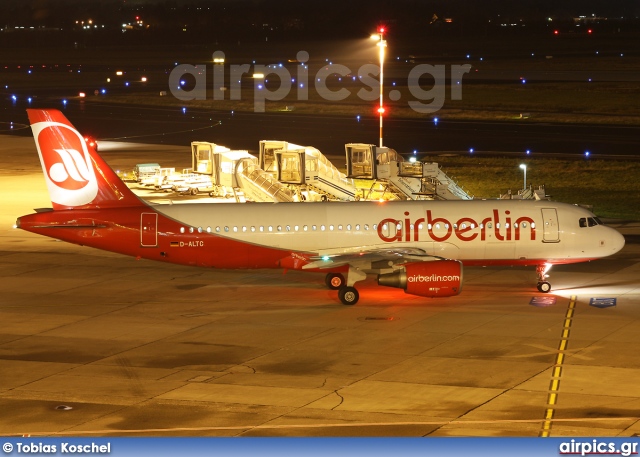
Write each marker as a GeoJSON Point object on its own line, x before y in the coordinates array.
{"type": "Point", "coordinates": [465, 228]}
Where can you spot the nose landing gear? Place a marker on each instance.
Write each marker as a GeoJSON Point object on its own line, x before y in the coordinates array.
{"type": "Point", "coordinates": [541, 271]}
{"type": "Point", "coordinates": [544, 286]}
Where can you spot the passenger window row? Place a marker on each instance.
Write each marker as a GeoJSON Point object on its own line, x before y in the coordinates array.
{"type": "Point", "coordinates": [280, 228]}
{"type": "Point", "coordinates": [340, 227]}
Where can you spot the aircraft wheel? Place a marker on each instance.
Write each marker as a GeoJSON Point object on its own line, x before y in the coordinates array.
{"type": "Point", "coordinates": [194, 191]}
{"type": "Point", "coordinates": [348, 295]}
{"type": "Point", "coordinates": [334, 281]}
{"type": "Point", "coordinates": [544, 286]}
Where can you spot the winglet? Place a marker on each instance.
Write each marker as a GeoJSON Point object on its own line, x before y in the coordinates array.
{"type": "Point", "coordinates": [76, 177]}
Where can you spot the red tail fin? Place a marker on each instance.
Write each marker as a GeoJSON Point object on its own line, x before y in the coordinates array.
{"type": "Point", "coordinates": [76, 176]}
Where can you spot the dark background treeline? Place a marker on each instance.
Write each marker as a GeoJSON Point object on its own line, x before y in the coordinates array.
{"type": "Point", "coordinates": [229, 21]}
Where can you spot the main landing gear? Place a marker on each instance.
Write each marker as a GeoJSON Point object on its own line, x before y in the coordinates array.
{"type": "Point", "coordinates": [541, 271]}
{"type": "Point", "coordinates": [334, 281]}
{"type": "Point", "coordinates": [347, 294]}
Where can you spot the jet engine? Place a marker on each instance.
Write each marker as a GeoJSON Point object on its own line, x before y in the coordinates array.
{"type": "Point", "coordinates": [439, 278]}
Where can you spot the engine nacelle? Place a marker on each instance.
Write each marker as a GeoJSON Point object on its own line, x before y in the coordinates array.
{"type": "Point", "coordinates": [440, 278]}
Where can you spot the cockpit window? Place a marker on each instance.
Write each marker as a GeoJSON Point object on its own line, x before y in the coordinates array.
{"type": "Point", "coordinates": [589, 221]}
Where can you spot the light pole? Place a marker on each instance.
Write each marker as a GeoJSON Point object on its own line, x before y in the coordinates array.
{"type": "Point", "coordinates": [382, 43]}
{"type": "Point", "coordinates": [524, 167]}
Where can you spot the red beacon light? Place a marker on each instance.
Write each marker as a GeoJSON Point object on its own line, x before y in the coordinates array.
{"type": "Point", "coordinates": [91, 142]}
{"type": "Point", "coordinates": [381, 30]}
{"type": "Point", "coordinates": [381, 110]}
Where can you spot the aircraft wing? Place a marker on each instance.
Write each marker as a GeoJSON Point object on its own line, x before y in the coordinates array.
{"type": "Point", "coordinates": [356, 259]}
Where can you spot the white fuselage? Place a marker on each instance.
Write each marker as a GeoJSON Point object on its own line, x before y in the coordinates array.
{"type": "Point", "coordinates": [503, 230]}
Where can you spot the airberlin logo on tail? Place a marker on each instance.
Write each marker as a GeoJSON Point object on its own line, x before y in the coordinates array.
{"type": "Point", "coordinates": [66, 163]}
{"type": "Point", "coordinates": [72, 173]}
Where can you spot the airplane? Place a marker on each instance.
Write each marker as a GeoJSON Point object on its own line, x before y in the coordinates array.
{"type": "Point", "coordinates": [418, 246]}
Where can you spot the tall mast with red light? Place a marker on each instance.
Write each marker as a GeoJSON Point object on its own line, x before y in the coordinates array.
{"type": "Point", "coordinates": [381, 44]}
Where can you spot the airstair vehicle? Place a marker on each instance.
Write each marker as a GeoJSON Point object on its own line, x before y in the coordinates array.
{"type": "Point", "coordinates": [394, 178]}
{"type": "Point", "coordinates": [267, 156]}
{"type": "Point", "coordinates": [307, 170]}
{"type": "Point", "coordinates": [236, 174]}
{"type": "Point", "coordinates": [258, 185]}
{"type": "Point", "coordinates": [286, 172]}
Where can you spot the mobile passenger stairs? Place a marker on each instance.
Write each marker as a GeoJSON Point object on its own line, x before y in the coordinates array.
{"type": "Point", "coordinates": [236, 174]}
{"type": "Point", "coordinates": [393, 177]}
{"type": "Point", "coordinates": [309, 173]}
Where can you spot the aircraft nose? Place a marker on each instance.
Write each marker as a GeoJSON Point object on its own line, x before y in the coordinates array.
{"type": "Point", "coordinates": [616, 241]}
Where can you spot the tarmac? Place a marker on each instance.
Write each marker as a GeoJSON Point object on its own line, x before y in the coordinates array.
{"type": "Point", "coordinates": [97, 344]}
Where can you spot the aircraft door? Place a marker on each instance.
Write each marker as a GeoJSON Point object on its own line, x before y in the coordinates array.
{"type": "Point", "coordinates": [551, 232]}
{"type": "Point", "coordinates": [149, 230]}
